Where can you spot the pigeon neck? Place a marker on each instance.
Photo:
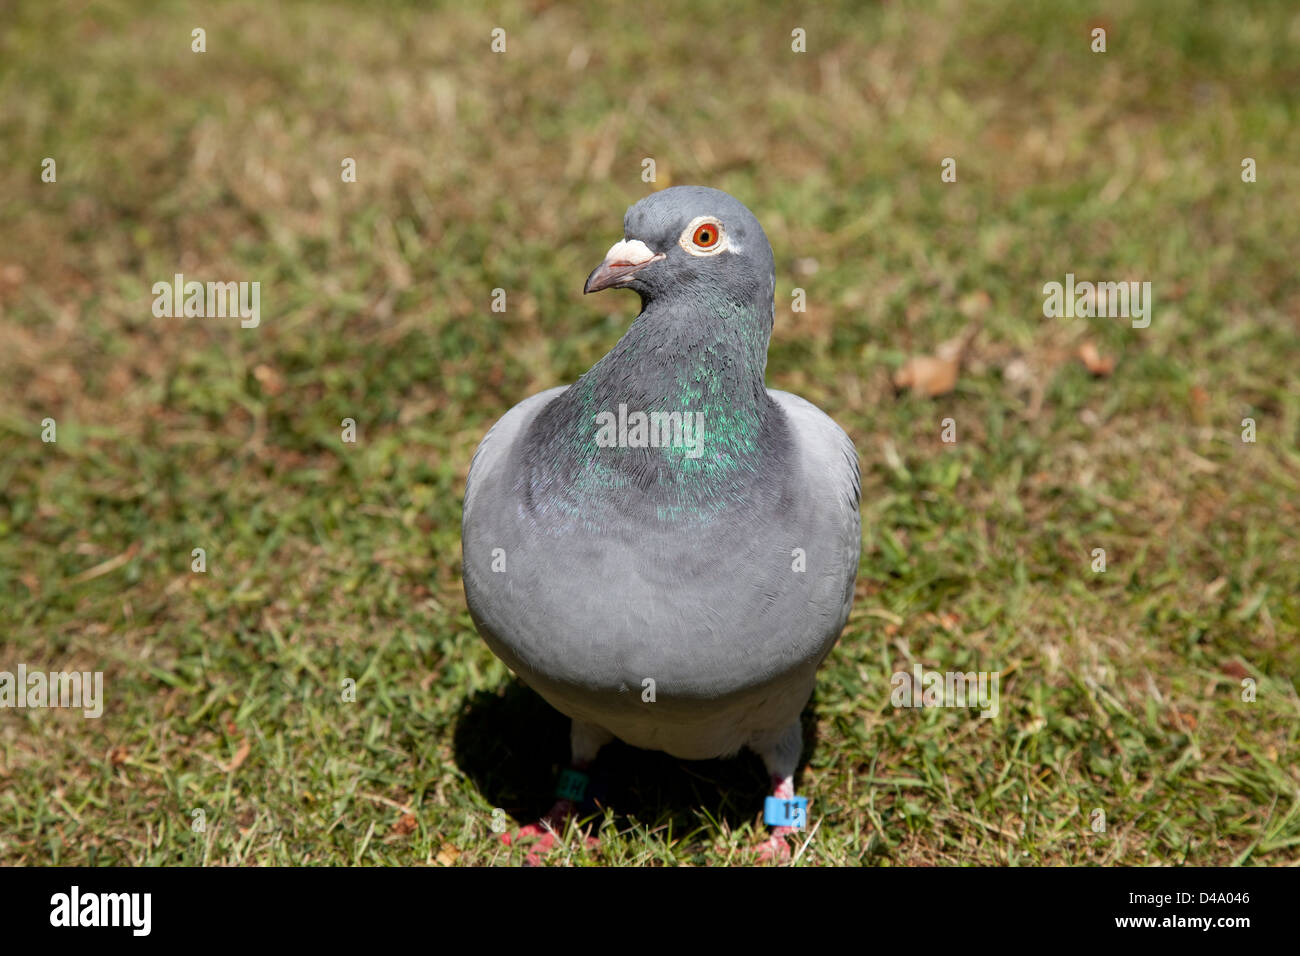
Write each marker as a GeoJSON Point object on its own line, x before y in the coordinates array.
{"type": "Point", "coordinates": [678, 409]}
{"type": "Point", "coordinates": [709, 363]}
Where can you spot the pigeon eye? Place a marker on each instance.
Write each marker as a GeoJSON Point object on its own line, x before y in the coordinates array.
{"type": "Point", "coordinates": [706, 236]}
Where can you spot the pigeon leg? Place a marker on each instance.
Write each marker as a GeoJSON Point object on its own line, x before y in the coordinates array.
{"type": "Point", "coordinates": [775, 849]}
{"type": "Point", "coordinates": [585, 741]}
{"type": "Point", "coordinates": [780, 752]}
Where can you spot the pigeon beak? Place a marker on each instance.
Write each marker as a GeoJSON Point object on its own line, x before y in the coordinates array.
{"type": "Point", "coordinates": [624, 260]}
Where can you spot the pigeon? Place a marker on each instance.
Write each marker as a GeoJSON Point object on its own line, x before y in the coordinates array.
{"type": "Point", "coordinates": [666, 550]}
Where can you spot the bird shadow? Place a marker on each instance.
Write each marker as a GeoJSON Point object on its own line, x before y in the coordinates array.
{"type": "Point", "coordinates": [512, 745]}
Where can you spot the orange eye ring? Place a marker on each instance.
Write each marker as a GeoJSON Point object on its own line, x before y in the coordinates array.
{"type": "Point", "coordinates": [706, 236]}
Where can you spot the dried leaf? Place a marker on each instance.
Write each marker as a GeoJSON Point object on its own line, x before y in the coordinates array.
{"type": "Point", "coordinates": [447, 854]}
{"type": "Point", "coordinates": [271, 381]}
{"type": "Point", "coordinates": [1200, 400]}
{"type": "Point", "coordinates": [1234, 669]}
{"type": "Point", "coordinates": [1094, 361]}
{"type": "Point", "coordinates": [927, 375]}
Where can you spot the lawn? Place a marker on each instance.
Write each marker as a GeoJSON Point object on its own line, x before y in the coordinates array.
{"type": "Point", "coordinates": [1148, 712]}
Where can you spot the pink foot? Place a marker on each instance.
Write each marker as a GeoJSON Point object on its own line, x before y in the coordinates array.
{"type": "Point", "coordinates": [548, 829]}
{"type": "Point", "coordinates": [775, 849]}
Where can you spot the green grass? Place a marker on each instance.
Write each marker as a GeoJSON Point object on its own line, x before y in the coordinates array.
{"type": "Point", "coordinates": [326, 561]}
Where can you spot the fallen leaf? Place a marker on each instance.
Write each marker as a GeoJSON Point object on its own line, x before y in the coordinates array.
{"type": "Point", "coordinates": [1094, 361]}
{"type": "Point", "coordinates": [935, 375]}
{"type": "Point", "coordinates": [406, 824]}
{"type": "Point", "coordinates": [269, 379]}
{"type": "Point", "coordinates": [447, 854]}
{"type": "Point", "coordinates": [1200, 400]}
{"type": "Point", "coordinates": [927, 375]}
{"type": "Point", "coordinates": [1234, 669]}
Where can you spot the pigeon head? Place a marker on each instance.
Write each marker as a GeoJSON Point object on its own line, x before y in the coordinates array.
{"type": "Point", "coordinates": [703, 269]}
{"type": "Point", "coordinates": [690, 242]}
